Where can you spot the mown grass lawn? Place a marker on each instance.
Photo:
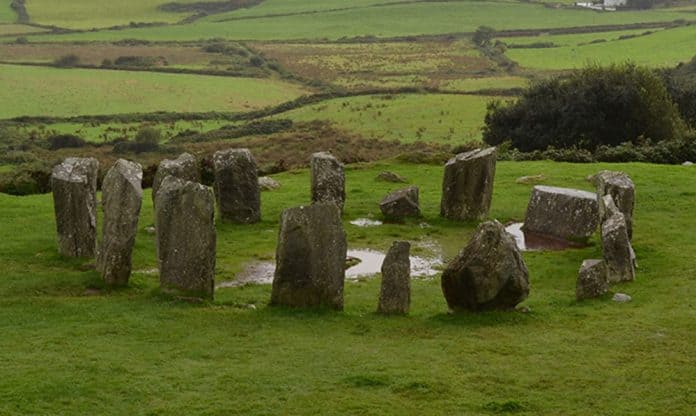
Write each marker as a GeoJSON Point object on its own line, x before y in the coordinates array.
{"type": "Point", "coordinates": [135, 352]}
{"type": "Point", "coordinates": [67, 92]}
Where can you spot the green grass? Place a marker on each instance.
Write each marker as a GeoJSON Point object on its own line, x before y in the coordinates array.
{"type": "Point", "coordinates": [134, 352]}
{"type": "Point", "coordinates": [407, 117]}
{"type": "Point", "coordinates": [11, 29]}
{"type": "Point", "coordinates": [488, 83]}
{"type": "Point", "coordinates": [69, 92]}
{"type": "Point", "coordinates": [662, 48]}
{"type": "Point", "coordinates": [384, 21]}
{"type": "Point", "coordinates": [7, 15]}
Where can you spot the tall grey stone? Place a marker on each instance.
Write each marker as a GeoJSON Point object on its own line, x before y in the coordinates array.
{"type": "Point", "coordinates": [566, 213]}
{"type": "Point", "coordinates": [489, 273]}
{"type": "Point", "coordinates": [467, 186]}
{"type": "Point", "coordinates": [74, 186]}
{"type": "Point", "coordinates": [310, 257]}
{"type": "Point", "coordinates": [328, 179]}
{"type": "Point", "coordinates": [237, 191]}
{"type": "Point", "coordinates": [618, 253]}
{"type": "Point", "coordinates": [122, 196]}
{"type": "Point", "coordinates": [400, 204]}
{"type": "Point", "coordinates": [183, 167]}
{"type": "Point", "coordinates": [607, 208]}
{"type": "Point", "coordinates": [186, 237]}
{"type": "Point", "coordinates": [620, 186]}
{"type": "Point", "coordinates": [592, 280]}
{"type": "Point", "coordinates": [395, 294]}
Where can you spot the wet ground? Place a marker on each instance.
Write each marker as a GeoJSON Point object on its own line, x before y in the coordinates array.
{"type": "Point", "coordinates": [527, 241]}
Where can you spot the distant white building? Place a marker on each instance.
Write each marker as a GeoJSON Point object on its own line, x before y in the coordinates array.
{"type": "Point", "coordinates": [604, 5]}
{"type": "Point", "coordinates": [615, 3]}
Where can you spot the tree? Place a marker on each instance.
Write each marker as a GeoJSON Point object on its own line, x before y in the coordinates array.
{"type": "Point", "coordinates": [483, 36]}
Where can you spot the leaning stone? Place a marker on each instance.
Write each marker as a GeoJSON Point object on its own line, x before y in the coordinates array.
{"type": "Point", "coordinates": [74, 186]}
{"type": "Point", "coordinates": [266, 183]}
{"type": "Point", "coordinates": [571, 214]}
{"type": "Point", "coordinates": [186, 238]}
{"type": "Point", "coordinates": [387, 176]}
{"type": "Point", "coordinates": [621, 298]}
{"type": "Point", "coordinates": [592, 280]}
{"type": "Point", "coordinates": [184, 167]}
{"type": "Point", "coordinates": [617, 249]}
{"type": "Point", "coordinates": [328, 179]}
{"type": "Point", "coordinates": [395, 294]}
{"type": "Point", "coordinates": [122, 196]}
{"type": "Point", "coordinates": [467, 186]}
{"type": "Point", "coordinates": [620, 186]}
{"type": "Point", "coordinates": [310, 257]}
{"type": "Point", "coordinates": [489, 273]}
{"type": "Point", "coordinates": [401, 204]}
{"type": "Point", "coordinates": [237, 191]}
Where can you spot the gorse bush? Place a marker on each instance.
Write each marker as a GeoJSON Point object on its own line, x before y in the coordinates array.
{"type": "Point", "coordinates": [62, 141]}
{"type": "Point", "coordinates": [591, 107]}
{"type": "Point", "coordinates": [67, 61]}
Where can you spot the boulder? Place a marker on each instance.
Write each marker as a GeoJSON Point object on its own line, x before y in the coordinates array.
{"type": "Point", "coordinates": [237, 191]}
{"type": "Point", "coordinates": [621, 298]}
{"type": "Point", "coordinates": [328, 179]}
{"type": "Point", "coordinates": [570, 214]}
{"type": "Point", "coordinates": [74, 186]}
{"type": "Point", "coordinates": [467, 186]}
{"type": "Point", "coordinates": [393, 177]}
{"type": "Point", "coordinates": [122, 196]}
{"type": "Point", "coordinates": [620, 186]}
{"type": "Point", "coordinates": [592, 280]}
{"type": "Point", "coordinates": [395, 294]}
{"type": "Point", "coordinates": [401, 204]}
{"type": "Point", "coordinates": [618, 253]}
{"type": "Point", "coordinates": [489, 273]}
{"type": "Point", "coordinates": [531, 179]}
{"type": "Point", "coordinates": [607, 208]}
{"type": "Point", "coordinates": [310, 257]}
{"type": "Point", "coordinates": [183, 167]}
{"type": "Point", "coordinates": [186, 237]}
{"type": "Point", "coordinates": [266, 183]}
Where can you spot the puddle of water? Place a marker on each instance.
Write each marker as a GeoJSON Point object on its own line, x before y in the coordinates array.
{"type": "Point", "coordinates": [527, 241]}
{"type": "Point", "coordinates": [370, 264]}
{"type": "Point", "coordinates": [366, 222]}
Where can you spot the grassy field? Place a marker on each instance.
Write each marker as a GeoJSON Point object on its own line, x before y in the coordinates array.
{"type": "Point", "coordinates": [647, 50]}
{"type": "Point", "coordinates": [67, 92]}
{"type": "Point", "coordinates": [7, 15]}
{"type": "Point", "coordinates": [133, 351]}
{"type": "Point", "coordinates": [383, 21]}
{"type": "Point", "coordinates": [11, 29]}
{"type": "Point", "coordinates": [407, 117]}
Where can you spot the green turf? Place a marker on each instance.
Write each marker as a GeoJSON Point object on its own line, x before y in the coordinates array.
{"type": "Point", "coordinates": [133, 352]}
{"type": "Point", "coordinates": [69, 92]}
{"type": "Point", "coordinates": [7, 15]}
{"type": "Point", "coordinates": [11, 29]}
{"type": "Point", "coordinates": [662, 48]}
{"type": "Point", "coordinates": [408, 118]}
{"type": "Point", "coordinates": [384, 21]}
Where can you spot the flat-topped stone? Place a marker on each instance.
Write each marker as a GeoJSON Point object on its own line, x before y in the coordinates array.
{"type": "Point", "coordinates": [567, 213]}
{"type": "Point", "coordinates": [467, 185]}
{"type": "Point", "coordinates": [592, 280]}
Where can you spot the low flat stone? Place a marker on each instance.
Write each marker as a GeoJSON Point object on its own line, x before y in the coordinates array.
{"type": "Point", "coordinates": [567, 213]}
{"type": "Point", "coordinates": [621, 298]}
{"type": "Point", "coordinates": [531, 179]}
{"type": "Point", "coordinates": [266, 183]}
{"type": "Point", "coordinates": [393, 177]}
{"type": "Point", "coordinates": [401, 204]}
{"type": "Point", "coordinates": [467, 185]}
{"type": "Point", "coordinates": [592, 280]}
{"type": "Point", "coordinates": [183, 167]}
{"type": "Point", "coordinates": [395, 292]}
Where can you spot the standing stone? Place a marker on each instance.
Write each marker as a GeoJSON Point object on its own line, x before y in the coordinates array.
{"type": "Point", "coordinates": [620, 186]}
{"type": "Point", "coordinates": [489, 273]}
{"type": "Point", "coordinates": [186, 237]}
{"type": "Point", "coordinates": [328, 179]}
{"type": "Point", "coordinates": [592, 280]}
{"type": "Point", "coordinates": [122, 196]}
{"type": "Point", "coordinates": [467, 187]}
{"type": "Point", "coordinates": [184, 167]}
{"type": "Point", "coordinates": [401, 204]}
{"type": "Point", "coordinates": [566, 213]}
{"type": "Point", "coordinates": [74, 185]}
{"type": "Point", "coordinates": [395, 295]}
{"type": "Point", "coordinates": [618, 253]}
{"type": "Point", "coordinates": [310, 257]}
{"type": "Point", "coordinates": [237, 191]}
{"type": "Point", "coordinates": [607, 208]}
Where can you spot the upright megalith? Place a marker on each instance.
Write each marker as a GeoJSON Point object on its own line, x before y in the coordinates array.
{"type": "Point", "coordinates": [74, 186]}
{"type": "Point", "coordinates": [618, 253]}
{"type": "Point", "coordinates": [395, 294]}
{"type": "Point", "coordinates": [621, 188]}
{"type": "Point", "coordinates": [237, 191]}
{"type": "Point", "coordinates": [186, 237]}
{"type": "Point", "coordinates": [566, 213]}
{"type": "Point", "coordinates": [401, 204]}
{"type": "Point", "coordinates": [183, 167]}
{"type": "Point", "coordinates": [328, 179]}
{"type": "Point", "coordinates": [122, 196]}
{"type": "Point", "coordinates": [489, 273]}
{"type": "Point", "coordinates": [467, 187]}
{"type": "Point", "coordinates": [592, 280]}
{"type": "Point", "coordinates": [310, 257]}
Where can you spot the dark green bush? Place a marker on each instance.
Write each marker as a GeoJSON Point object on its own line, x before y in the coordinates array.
{"type": "Point", "coordinates": [27, 179]}
{"type": "Point", "coordinates": [146, 140]}
{"type": "Point", "coordinates": [63, 141]}
{"type": "Point", "coordinates": [67, 61]}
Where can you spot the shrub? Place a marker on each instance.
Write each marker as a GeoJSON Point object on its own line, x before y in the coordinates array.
{"type": "Point", "coordinates": [256, 61]}
{"type": "Point", "coordinates": [27, 179]}
{"type": "Point", "coordinates": [483, 36]}
{"type": "Point", "coordinates": [67, 61]}
{"type": "Point", "coordinates": [21, 40]}
{"type": "Point", "coordinates": [62, 141]}
{"type": "Point", "coordinates": [146, 140]}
